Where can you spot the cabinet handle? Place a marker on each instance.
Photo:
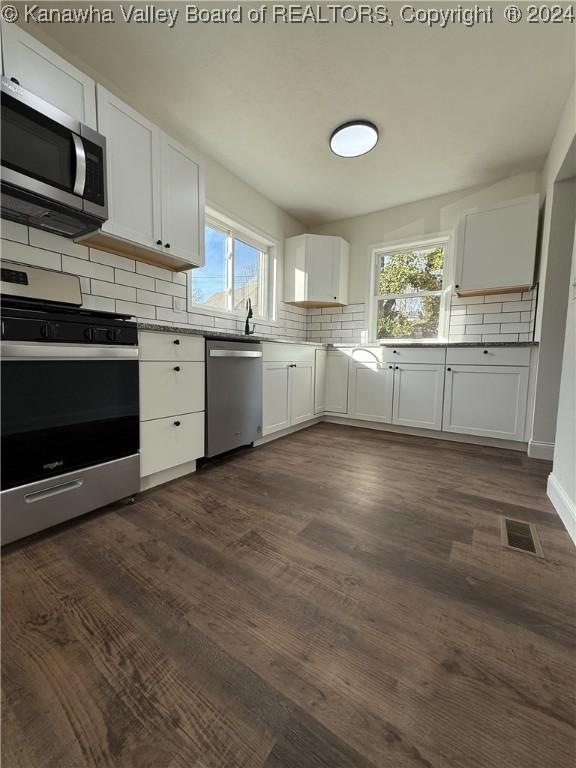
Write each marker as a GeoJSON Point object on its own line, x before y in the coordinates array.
{"type": "Point", "coordinates": [177, 368]}
{"type": "Point", "coordinates": [15, 80]}
{"type": "Point", "coordinates": [176, 423]}
{"type": "Point", "coordinates": [158, 242]}
{"type": "Point", "coordinates": [167, 245]}
{"type": "Point", "coordinates": [176, 341]}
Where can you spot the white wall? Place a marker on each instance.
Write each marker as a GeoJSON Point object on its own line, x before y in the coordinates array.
{"type": "Point", "coordinates": [554, 270]}
{"type": "Point", "coordinates": [423, 217]}
{"type": "Point", "coordinates": [562, 481]}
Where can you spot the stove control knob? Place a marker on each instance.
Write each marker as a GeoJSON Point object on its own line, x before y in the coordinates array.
{"type": "Point", "coordinates": [111, 334]}
{"type": "Point", "coordinates": [88, 334]}
{"type": "Point", "coordinates": [48, 331]}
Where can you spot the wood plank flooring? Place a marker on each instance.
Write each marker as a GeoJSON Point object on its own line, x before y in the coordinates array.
{"type": "Point", "coordinates": [335, 599]}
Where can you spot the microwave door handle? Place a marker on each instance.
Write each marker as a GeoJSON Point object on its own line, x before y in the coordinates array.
{"type": "Point", "coordinates": [80, 182]}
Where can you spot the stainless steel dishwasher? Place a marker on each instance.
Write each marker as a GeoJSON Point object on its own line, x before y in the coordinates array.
{"type": "Point", "coordinates": [233, 394]}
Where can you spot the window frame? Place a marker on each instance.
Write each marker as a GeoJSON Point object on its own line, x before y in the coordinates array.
{"type": "Point", "coordinates": [446, 239]}
{"type": "Point", "coordinates": [237, 231]}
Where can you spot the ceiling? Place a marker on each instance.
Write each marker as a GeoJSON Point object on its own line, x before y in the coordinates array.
{"type": "Point", "coordinates": [456, 107]}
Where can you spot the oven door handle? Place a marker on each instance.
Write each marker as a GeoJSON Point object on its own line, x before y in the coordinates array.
{"type": "Point", "coordinates": [39, 350]}
{"type": "Point", "coordinates": [80, 182]}
{"type": "Point", "coordinates": [53, 490]}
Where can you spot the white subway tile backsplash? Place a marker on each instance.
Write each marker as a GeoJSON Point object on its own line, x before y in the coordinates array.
{"type": "Point", "coordinates": [112, 260]}
{"type": "Point", "coordinates": [169, 314]}
{"type": "Point", "coordinates": [503, 297]}
{"type": "Point", "coordinates": [180, 277]}
{"type": "Point", "coordinates": [500, 337]}
{"type": "Point", "coordinates": [143, 311]}
{"type": "Point", "coordinates": [10, 230]}
{"type": "Point", "coordinates": [484, 328]}
{"type": "Point", "coordinates": [196, 318]}
{"type": "Point", "coordinates": [99, 303]}
{"type": "Point", "coordinates": [152, 271]}
{"type": "Point", "coordinates": [131, 278]}
{"type": "Point", "coordinates": [466, 319]}
{"type": "Point", "coordinates": [502, 317]}
{"type": "Point", "coordinates": [151, 297]}
{"type": "Point", "coordinates": [515, 328]}
{"type": "Point", "coordinates": [13, 251]}
{"type": "Point", "coordinates": [460, 300]}
{"type": "Point", "coordinates": [487, 308]}
{"type": "Point", "coordinates": [40, 239]}
{"type": "Point", "coordinates": [87, 268]}
{"type": "Point", "coordinates": [516, 306]}
{"type": "Point", "coordinates": [113, 290]}
{"type": "Point", "coordinates": [173, 289]}
{"type": "Point", "coordinates": [179, 304]}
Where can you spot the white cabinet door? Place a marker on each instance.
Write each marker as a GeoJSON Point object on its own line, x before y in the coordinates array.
{"type": "Point", "coordinates": [301, 392]}
{"type": "Point", "coordinates": [371, 389]}
{"type": "Point", "coordinates": [486, 400]}
{"type": "Point", "coordinates": [418, 395]}
{"type": "Point", "coordinates": [336, 382]}
{"type": "Point", "coordinates": [320, 381]}
{"type": "Point", "coordinates": [40, 70]}
{"type": "Point", "coordinates": [168, 388]}
{"type": "Point", "coordinates": [497, 246]}
{"type": "Point", "coordinates": [182, 203]}
{"type": "Point", "coordinates": [167, 443]}
{"type": "Point", "coordinates": [133, 149]}
{"type": "Point", "coordinates": [276, 397]}
{"type": "Point", "coordinates": [321, 268]}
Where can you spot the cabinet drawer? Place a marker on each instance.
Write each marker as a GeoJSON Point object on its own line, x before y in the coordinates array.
{"type": "Point", "coordinates": [164, 444]}
{"type": "Point", "coordinates": [170, 387]}
{"type": "Point", "coordinates": [290, 353]}
{"type": "Point", "coordinates": [488, 356]}
{"type": "Point", "coordinates": [433, 355]}
{"type": "Point", "coordinates": [170, 346]}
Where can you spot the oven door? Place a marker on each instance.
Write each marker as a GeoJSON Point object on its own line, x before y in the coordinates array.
{"type": "Point", "coordinates": [66, 407]}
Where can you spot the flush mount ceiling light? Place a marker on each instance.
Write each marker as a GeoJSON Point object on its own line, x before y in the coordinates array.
{"type": "Point", "coordinates": [354, 138]}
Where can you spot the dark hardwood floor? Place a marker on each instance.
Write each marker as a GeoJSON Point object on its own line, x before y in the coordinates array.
{"type": "Point", "coordinates": [336, 599]}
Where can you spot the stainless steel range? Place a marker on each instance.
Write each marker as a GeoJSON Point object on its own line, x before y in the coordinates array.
{"type": "Point", "coordinates": [70, 402]}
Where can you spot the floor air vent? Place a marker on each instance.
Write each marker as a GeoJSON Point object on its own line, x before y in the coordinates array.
{"type": "Point", "coordinates": [520, 536]}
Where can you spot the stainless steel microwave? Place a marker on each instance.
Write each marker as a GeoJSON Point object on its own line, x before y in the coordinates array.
{"type": "Point", "coordinates": [53, 166]}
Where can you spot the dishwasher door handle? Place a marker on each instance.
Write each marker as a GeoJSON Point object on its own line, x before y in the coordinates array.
{"type": "Point", "coordinates": [233, 353]}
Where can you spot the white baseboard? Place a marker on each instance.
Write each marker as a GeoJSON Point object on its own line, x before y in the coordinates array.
{"type": "Point", "coordinates": [287, 431]}
{"type": "Point", "coordinates": [158, 478]}
{"type": "Point", "coordinates": [454, 437]}
{"type": "Point", "coordinates": [563, 504]}
{"type": "Point", "coordinates": [539, 450]}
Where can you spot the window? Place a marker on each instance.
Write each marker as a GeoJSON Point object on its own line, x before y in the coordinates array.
{"type": "Point", "coordinates": [409, 300]}
{"type": "Point", "coordinates": [236, 269]}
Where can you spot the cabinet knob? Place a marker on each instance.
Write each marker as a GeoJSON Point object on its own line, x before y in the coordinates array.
{"type": "Point", "coordinates": [485, 351]}
{"type": "Point", "coordinates": [176, 423]}
{"type": "Point", "coordinates": [448, 369]}
{"type": "Point", "coordinates": [158, 242]}
{"type": "Point", "coordinates": [397, 367]}
{"type": "Point", "coordinates": [391, 367]}
{"type": "Point", "coordinates": [394, 351]}
{"type": "Point", "coordinates": [335, 297]}
{"type": "Point", "coordinates": [457, 286]}
{"type": "Point", "coordinates": [167, 245]}
{"type": "Point", "coordinates": [176, 341]}
{"type": "Point", "coordinates": [177, 368]}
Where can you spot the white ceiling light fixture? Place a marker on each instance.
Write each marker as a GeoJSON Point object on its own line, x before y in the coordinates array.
{"type": "Point", "coordinates": [355, 138]}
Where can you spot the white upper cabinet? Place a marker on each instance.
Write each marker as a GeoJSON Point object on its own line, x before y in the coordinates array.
{"type": "Point", "coordinates": [182, 203]}
{"type": "Point", "coordinates": [134, 181]}
{"type": "Point", "coordinates": [155, 191]}
{"type": "Point", "coordinates": [316, 270]}
{"type": "Point", "coordinates": [496, 247]}
{"type": "Point", "coordinates": [40, 70]}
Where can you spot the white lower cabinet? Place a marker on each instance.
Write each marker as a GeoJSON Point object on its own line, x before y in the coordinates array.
{"type": "Point", "coordinates": [487, 400]}
{"type": "Point", "coordinates": [301, 384]}
{"type": "Point", "coordinates": [371, 389]}
{"type": "Point", "coordinates": [170, 442]}
{"type": "Point", "coordinates": [320, 381]}
{"type": "Point", "coordinates": [336, 393]}
{"type": "Point", "coordinates": [288, 386]}
{"type": "Point", "coordinates": [172, 374]}
{"type": "Point", "coordinates": [418, 395]}
{"type": "Point", "coordinates": [276, 397]}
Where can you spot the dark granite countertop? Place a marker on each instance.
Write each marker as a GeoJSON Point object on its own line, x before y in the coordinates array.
{"type": "Point", "coordinates": [215, 333]}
